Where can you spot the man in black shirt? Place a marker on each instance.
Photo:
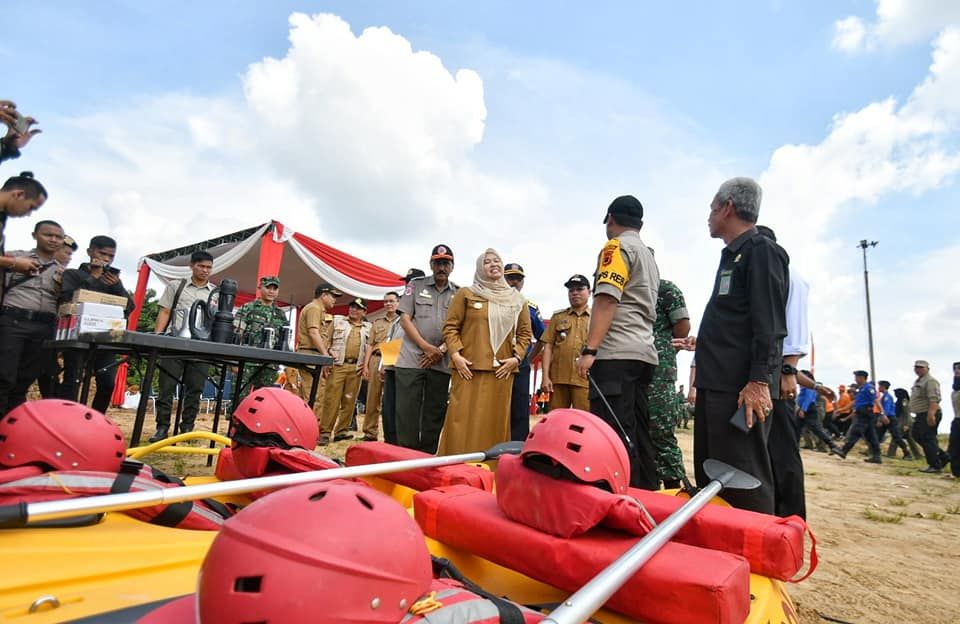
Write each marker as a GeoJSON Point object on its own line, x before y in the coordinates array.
{"type": "Point", "coordinates": [739, 347]}
{"type": "Point", "coordinates": [97, 275]}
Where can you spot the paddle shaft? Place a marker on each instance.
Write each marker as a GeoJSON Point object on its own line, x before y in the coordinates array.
{"type": "Point", "coordinates": [591, 597]}
{"type": "Point", "coordinates": [26, 513]}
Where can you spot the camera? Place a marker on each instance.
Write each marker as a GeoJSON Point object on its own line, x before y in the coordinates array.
{"type": "Point", "coordinates": [21, 125]}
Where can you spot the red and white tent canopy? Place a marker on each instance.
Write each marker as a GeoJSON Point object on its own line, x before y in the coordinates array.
{"type": "Point", "coordinates": [274, 249]}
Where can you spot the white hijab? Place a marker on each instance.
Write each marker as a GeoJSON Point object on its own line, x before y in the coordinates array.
{"type": "Point", "coordinates": [504, 303]}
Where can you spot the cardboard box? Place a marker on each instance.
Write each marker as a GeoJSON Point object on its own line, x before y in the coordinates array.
{"type": "Point", "coordinates": [89, 296]}
{"type": "Point", "coordinates": [97, 309]}
{"type": "Point", "coordinates": [90, 324]}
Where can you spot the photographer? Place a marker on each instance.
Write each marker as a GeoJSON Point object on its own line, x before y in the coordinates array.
{"type": "Point", "coordinates": [18, 130]}
{"type": "Point", "coordinates": [100, 276]}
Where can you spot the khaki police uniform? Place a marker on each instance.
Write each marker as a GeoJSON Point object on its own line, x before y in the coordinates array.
{"type": "Point", "coordinates": [627, 357]}
{"type": "Point", "coordinates": [27, 318]}
{"type": "Point", "coordinates": [567, 334]}
{"type": "Point", "coordinates": [347, 347]}
{"type": "Point", "coordinates": [422, 392]}
{"type": "Point", "coordinates": [478, 415]}
{"type": "Point", "coordinates": [371, 413]}
{"type": "Point", "coordinates": [312, 316]}
{"type": "Point", "coordinates": [926, 390]}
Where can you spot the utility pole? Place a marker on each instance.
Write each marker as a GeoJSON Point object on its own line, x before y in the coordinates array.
{"type": "Point", "coordinates": [866, 284]}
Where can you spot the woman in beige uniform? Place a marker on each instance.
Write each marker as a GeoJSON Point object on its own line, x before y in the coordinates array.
{"type": "Point", "coordinates": [487, 332]}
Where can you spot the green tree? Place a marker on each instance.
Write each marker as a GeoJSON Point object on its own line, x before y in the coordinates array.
{"type": "Point", "coordinates": [146, 323]}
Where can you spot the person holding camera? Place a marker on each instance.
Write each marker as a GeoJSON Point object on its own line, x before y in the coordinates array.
{"type": "Point", "coordinates": [18, 133]}
{"type": "Point", "coordinates": [28, 315]}
{"type": "Point", "coordinates": [98, 275]}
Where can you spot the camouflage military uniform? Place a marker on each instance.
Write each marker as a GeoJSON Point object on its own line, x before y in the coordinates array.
{"type": "Point", "coordinates": [253, 318]}
{"type": "Point", "coordinates": [671, 308]}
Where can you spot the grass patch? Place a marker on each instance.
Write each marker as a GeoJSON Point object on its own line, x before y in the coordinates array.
{"type": "Point", "coordinates": [933, 515]}
{"type": "Point", "coordinates": [877, 516]}
{"type": "Point", "coordinates": [905, 472]}
{"type": "Point", "coordinates": [825, 488]}
{"type": "Point", "coordinates": [898, 502]}
{"type": "Point", "coordinates": [954, 510]}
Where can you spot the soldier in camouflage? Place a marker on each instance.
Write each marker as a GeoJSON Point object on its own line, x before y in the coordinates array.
{"type": "Point", "coordinates": [252, 320]}
{"type": "Point", "coordinates": [673, 321]}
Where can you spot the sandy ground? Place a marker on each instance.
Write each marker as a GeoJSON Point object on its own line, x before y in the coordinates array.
{"type": "Point", "coordinates": [887, 535]}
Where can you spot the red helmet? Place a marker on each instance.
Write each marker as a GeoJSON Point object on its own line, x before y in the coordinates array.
{"type": "Point", "coordinates": [279, 412]}
{"type": "Point", "coordinates": [60, 435]}
{"type": "Point", "coordinates": [583, 444]}
{"type": "Point", "coordinates": [297, 556]}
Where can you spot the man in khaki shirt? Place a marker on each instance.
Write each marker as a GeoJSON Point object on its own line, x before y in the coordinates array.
{"type": "Point", "coordinates": [347, 346]}
{"type": "Point", "coordinates": [371, 366]}
{"type": "Point", "coordinates": [925, 405]}
{"type": "Point", "coordinates": [562, 341]}
{"type": "Point", "coordinates": [314, 329]}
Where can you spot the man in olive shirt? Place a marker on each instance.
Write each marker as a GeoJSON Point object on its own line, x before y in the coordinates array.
{"type": "Point", "coordinates": [562, 341]}
{"type": "Point", "coordinates": [925, 404]}
{"type": "Point", "coordinates": [423, 368]}
{"type": "Point", "coordinates": [347, 347]}
{"type": "Point", "coordinates": [620, 355]}
{"type": "Point", "coordinates": [314, 330]}
{"type": "Point", "coordinates": [371, 366]}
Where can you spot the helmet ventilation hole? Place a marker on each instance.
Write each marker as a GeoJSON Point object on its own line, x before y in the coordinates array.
{"type": "Point", "coordinates": [573, 447]}
{"type": "Point", "coordinates": [364, 502]}
{"type": "Point", "coordinates": [11, 420]}
{"type": "Point", "coordinates": [258, 398]}
{"type": "Point", "coordinates": [318, 496]}
{"type": "Point", "coordinates": [576, 428]}
{"type": "Point", "coordinates": [88, 415]}
{"type": "Point", "coordinates": [247, 584]}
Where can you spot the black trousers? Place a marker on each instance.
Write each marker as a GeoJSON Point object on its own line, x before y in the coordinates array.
{"type": "Point", "coordinates": [783, 444]}
{"type": "Point", "coordinates": [864, 426]}
{"type": "Point", "coordinates": [811, 421]}
{"type": "Point", "coordinates": [194, 377]}
{"type": "Point", "coordinates": [715, 438]}
{"type": "Point", "coordinates": [520, 403]}
{"type": "Point", "coordinates": [953, 450]}
{"type": "Point", "coordinates": [421, 407]}
{"type": "Point", "coordinates": [926, 437]}
{"type": "Point", "coordinates": [624, 386]}
{"type": "Point", "coordinates": [104, 372]}
{"type": "Point", "coordinates": [896, 438]}
{"type": "Point", "coordinates": [830, 424]}
{"type": "Point", "coordinates": [22, 358]}
{"type": "Point", "coordinates": [388, 406]}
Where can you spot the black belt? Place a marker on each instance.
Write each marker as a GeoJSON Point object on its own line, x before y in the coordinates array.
{"type": "Point", "coordinates": [349, 360]}
{"type": "Point", "coordinates": [28, 315]}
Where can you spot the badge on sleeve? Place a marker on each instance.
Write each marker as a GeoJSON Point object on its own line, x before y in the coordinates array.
{"type": "Point", "coordinates": [726, 277]}
{"type": "Point", "coordinates": [612, 268]}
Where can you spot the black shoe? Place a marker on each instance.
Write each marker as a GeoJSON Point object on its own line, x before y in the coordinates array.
{"type": "Point", "coordinates": [324, 440]}
{"type": "Point", "coordinates": [874, 459]}
{"type": "Point", "coordinates": [342, 436]}
{"type": "Point", "coordinates": [160, 434]}
{"type": "Point", "coordinates": [367, 438]}
{"type": "Point", "coordinates": [186, 428]}
{"type": "Point", "coordinates": [908, 457]}
{"type": "Point", "coordinates": [931, 470]}
{"type": "Point", "coordinates": [836, 450]}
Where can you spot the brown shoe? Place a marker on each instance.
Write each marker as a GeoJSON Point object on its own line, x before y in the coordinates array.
{"type": "Point", "coordinates": [324, 440]}
{"type": "Point", "coordinates": [367, 438]}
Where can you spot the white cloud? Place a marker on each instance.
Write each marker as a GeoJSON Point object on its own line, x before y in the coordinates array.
{"type": "Point", "coordinates": [897, 22]}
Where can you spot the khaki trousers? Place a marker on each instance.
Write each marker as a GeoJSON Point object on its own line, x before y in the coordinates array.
{"type": "Point", "coordinates": [371, 413]}
{"type": "Point", "coordinates": [340, 399]}
{"type": "Point", "coordinates": [566, 395]}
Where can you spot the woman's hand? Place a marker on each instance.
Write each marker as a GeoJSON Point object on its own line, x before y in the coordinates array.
{"type": "Point", "coordinates": [508, 366]}
{"type": "Point", "coordinates": [547, 385]}
{"type": "Point", "coordinates": [462, 365]}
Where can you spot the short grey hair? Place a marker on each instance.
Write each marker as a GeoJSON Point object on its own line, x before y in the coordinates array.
{"type": "Point", "coordinates": [746, 196]}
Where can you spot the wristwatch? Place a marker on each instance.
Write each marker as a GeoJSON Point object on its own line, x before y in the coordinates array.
{"type": "Point", "coordinates": [788, 370]}
{"type": "Point", "coordinates": [587, 351]}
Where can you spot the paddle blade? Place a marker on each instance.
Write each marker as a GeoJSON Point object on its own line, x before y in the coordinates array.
{"type": "Point", "coordinates": [730, 477]}
{"type": "Point", "coordinates": [504, 448]}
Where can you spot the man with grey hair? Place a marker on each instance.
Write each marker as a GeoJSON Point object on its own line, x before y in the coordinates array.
{"type": "Point", "coordinates": [740, 345]}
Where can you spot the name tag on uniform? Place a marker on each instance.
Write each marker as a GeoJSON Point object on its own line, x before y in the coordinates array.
{"type": "Point", "coordinates": [477, 305]}
{"type": "Point", "coordinates": [426, 294]}
{"type": "Point", "coordinates": [725, 278]}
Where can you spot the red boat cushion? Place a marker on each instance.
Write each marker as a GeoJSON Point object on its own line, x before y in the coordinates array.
{"type": "Point", "coordinates": [563, 508]}
{"type": "Point", "coordinates": [421, 478]}
{"type": "Point", "coordinates": [680, 584]}
{"type": "Point", "coordinates": [773, 546]}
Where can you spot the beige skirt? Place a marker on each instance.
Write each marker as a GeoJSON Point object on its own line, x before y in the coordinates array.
{"type": "Point", "coordinates": [478, 413]}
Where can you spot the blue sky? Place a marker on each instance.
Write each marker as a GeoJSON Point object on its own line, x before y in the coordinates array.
{"type": "Point", "coordinates": [161, 118]}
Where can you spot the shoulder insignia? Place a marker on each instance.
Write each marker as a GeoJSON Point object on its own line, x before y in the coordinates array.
{"type": "Point", "coordinates": [612, 268]}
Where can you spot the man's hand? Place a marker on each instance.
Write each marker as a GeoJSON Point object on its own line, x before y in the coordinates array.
{"type": "Point", "coordinates": [883, 420]}
{"type": "Point", "coordinates": [931, 419]}
{"type": "Point", "coordinates": [24, 264]}
{"type": "Point", "coordinates": [756, 397]}
{"type": "Point", "coordinates": [110, 279]}
{"type": "Point", "coordinates": [363, 372]}
{"type": "Point", "coordinates": [431, 355]}
{"type": "Point", "coordinates": [547, 385]}
{"type": "Point", "coordinates": [325, 372]}
{"type": "Point", "coordinates": [788, 386]}
{"type": "Point", "coordinates": [584, 362]}
{"type": "Point", "coordinates": [826, 392]}
{"type": "Point", "coordinates": [8, 116]}
{"type": "Point", "coordinates": [462, 365]}
{"type": "Point", "coordinates": [507, 367]}
{"type": "Point", "coordinates": [688, 343]}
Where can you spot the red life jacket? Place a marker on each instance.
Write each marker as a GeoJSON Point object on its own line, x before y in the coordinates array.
{"type": "Point", "coordinates": [245, 462]}
{"type": "Point", "coordinates": [773, 546]}
{"type": "Point", "coordinates": [203, 515]}
{"type": "Point", "coordinates": [419, 479]}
